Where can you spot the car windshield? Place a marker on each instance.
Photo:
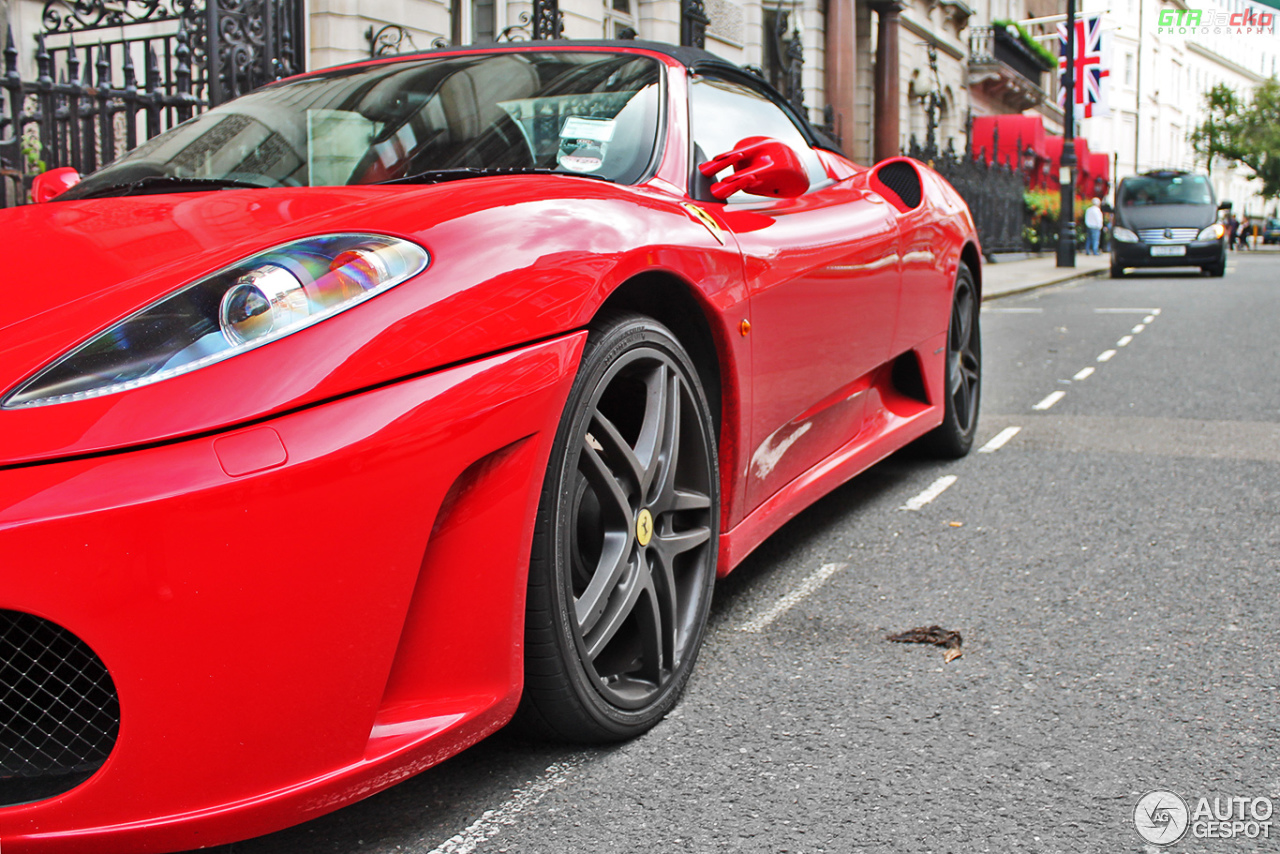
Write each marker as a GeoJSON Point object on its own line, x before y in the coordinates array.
{"type": "Point", "coordinates": [1180, 189]}
{"type": "Point", "coordinates": [584, 112]}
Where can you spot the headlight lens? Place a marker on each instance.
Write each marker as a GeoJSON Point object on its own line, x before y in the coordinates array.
{"type": "Point", "coordinates": [239, 308]}
{"type": "Point", "coordinates": [1123, 235]}
{"type": "Point", "coordinates": [1213, 232]}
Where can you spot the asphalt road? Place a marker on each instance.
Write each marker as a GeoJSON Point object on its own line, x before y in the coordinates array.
{"type": "Point", "coordinates": [1112, 568]}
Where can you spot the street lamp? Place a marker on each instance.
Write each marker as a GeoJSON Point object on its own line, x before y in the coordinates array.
{"type": "Point", "coordinates": [1067, 172]}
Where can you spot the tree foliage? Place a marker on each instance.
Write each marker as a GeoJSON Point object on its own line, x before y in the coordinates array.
{"type": "Point", "coordinates": [1247, 132]}
{"type": "Point", "coordinates": [1210, 138]}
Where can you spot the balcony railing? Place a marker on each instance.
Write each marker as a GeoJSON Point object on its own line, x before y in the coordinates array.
{"type": "Point", "coordinates": [1004, 68]}
{"type": "Point", "coordinates": [989, 45]}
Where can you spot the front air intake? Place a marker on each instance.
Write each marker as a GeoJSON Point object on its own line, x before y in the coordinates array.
{"type": "Point", "coordinates": [59, 712]}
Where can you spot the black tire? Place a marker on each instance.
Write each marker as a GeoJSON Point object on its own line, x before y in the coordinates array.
{"type": "Point", "coordinates": [1117, 271]}
{"type": "Point", "coordinates": [1216, 270]}
{"type": "Point", "coordinates": [954, 437]}
{"type": "Point", "coordinates": [614, 621]}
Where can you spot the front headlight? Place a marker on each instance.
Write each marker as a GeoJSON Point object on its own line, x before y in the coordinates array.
{"type": "Point", "coordinates": [1123, 235]}
{"type": "Point", "coordinates": [1213, 232]}
{"type": "Point", "coordinates": [239, 308]}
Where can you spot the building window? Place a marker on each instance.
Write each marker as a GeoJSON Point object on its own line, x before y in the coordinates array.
{"type": "Point", "coordinates": [1128, 69]}
{"type": "Point", "coordinates": [619, 16]}
{"type": "Point", "coordinates": [473, 21]}
{"type": "Point", "coordinates": [482, 28]}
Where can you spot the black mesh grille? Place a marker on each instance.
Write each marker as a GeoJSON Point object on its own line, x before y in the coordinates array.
{"type": "Point", "coordinates": [59, 713]}
{"type": "Point", "coordinates": [903, 180]}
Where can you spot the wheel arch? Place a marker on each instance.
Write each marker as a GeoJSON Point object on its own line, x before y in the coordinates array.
{"type": "Point", "coordinates": [973, 259]}
{"type": "Point", "coordinates": [675, 303]}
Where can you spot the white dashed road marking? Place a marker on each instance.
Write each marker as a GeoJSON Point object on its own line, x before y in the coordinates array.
{"type": "Point", "coordinates": [1124, 342]}
{"type": "Point", "coordinates": [1126, 311]}
{"type": "Point", "coordinates": [1084, 373]}
{"type": "Point", "coordinates": [786, 603]}
{"type": "Point", "coordinates": [1105, 355]}
{"type": "Point", "coordinates": [935, 489]}
{"type": "Point", "coordinates": [999, 440]}
{"type": "Point", "coordinates": [491, 823]}
{"type": "Point", "coordinates": [1049, 401]}
{"type": "Point", "coordinates": [1135, 330]}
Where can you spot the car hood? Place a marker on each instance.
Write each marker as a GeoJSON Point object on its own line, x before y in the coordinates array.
{"type": "Point", "coordinates": [1166, 216]}
{"type": "Point", "coordinates": [514, 259]}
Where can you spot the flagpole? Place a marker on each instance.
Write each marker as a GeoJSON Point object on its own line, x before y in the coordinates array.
{"type": "Point", "coordinates": [1067, 166]}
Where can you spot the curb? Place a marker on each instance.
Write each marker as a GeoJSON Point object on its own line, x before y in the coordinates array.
{"type": "Point", "coordinates": [1084, 274]}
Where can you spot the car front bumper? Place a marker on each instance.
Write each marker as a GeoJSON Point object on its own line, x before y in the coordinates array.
{"type": "Point", "coordinates": [1198, 253]}
{"type": "Point", "coordinates": [295, 614]}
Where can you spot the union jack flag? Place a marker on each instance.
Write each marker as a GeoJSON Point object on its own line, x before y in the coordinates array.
{"type": "Point", "coordinates": [1091, 68]}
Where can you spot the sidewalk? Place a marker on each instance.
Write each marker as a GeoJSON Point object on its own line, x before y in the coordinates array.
{"type": "Point", "coordinates": [1003, 278]}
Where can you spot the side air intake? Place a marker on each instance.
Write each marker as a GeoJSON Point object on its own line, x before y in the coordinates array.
{"type": "Point", "coordinates": [899, 182]}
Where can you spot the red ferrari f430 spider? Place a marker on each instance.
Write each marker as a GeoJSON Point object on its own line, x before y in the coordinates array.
{"type": "Point", "coordinates": [346, 421]}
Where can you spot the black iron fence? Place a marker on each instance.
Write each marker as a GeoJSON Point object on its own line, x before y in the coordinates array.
{"type": "Point", "coordinates": [994, 191]}
{"type": "Point", "coordinates": [167, 60]}
{"type": "Point", "coordinates": [84, 110]}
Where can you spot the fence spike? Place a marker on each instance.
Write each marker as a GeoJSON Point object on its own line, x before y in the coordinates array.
{"type": "Point", "coordinates": [11, 56]}
{"type": "Point", "coordinates": [44, 67]}
{"type": "Point", "coordinates": [130, 99]}
{"type": "Point", "coordinates": [104, 67]}
{"type": "Point", "coordinates": [182, 74]}
{"type": "Point", "coordinates": [182, 53]}
{"type": "Point", "coordinates": [155, 93]}
{"type": "Point", "coordinates": [153, 69]}
{"type": "Point", "coordinates": [73, 62]}
{"type": "Point", "coordinates": [130, 78]}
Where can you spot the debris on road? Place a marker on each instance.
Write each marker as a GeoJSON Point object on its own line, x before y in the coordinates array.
{"type": "Point", "coordinates": [936, 635]}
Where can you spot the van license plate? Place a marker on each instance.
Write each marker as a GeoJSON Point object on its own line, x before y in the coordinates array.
{"type": "Point", "coordinates": [1159, 251]}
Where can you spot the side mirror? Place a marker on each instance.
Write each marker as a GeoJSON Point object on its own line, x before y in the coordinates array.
{"type": "Point", "coordinates": [48, 185]}
{"type": "Point", "coordinates": [761, 167]}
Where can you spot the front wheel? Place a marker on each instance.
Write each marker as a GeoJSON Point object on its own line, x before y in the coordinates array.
{"type": "Point", "coordinates": [954, 437]}
{"type": "Point", "coordinates": [626, 541]}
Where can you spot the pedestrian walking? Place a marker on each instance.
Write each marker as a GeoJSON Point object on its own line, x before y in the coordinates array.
{"type": "Point", "coordinates": [1242, 233]}
{"type": "Point", "coordinates": [1232, 224]}
{"type": "Point", "coordinates": [1093, 224]}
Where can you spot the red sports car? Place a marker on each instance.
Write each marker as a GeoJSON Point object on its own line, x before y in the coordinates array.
{"type": "Point", "coordinates": [350, 419]}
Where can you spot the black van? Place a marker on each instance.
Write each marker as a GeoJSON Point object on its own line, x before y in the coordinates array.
{"type": "Point", "coordinates": [1167, 219]}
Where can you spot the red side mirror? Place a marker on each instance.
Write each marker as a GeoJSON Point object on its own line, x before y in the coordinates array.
{"type": "Point", "coordinates": [761, 166]}
{"type": "Point", "coordinates": [48, 185]}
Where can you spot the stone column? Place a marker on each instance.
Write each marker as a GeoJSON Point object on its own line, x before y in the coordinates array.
{"type": "Point", "coordinates": [887, 87]}
{"type": "Point", "coordinates": [860, 148]}
{"type": "Point", "coordinates": [841, 71]}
